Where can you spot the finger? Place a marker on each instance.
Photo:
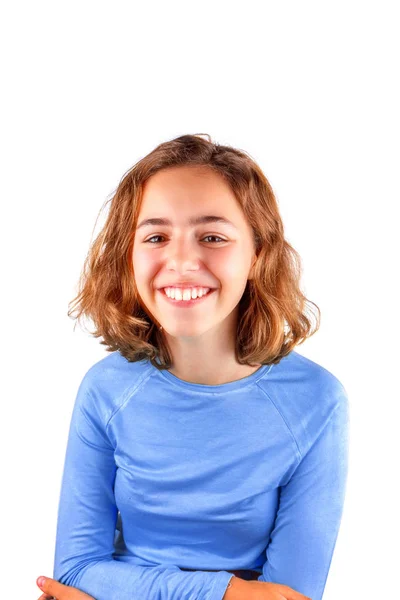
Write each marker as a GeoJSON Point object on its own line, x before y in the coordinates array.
{"type": "Point", "coordinates": [52, 588]}
{"type": "Point", "coordinates": [292, 594]}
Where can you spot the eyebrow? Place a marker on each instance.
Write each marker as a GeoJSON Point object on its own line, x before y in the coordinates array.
{"type": "Point", "coordinates": [192, 221]}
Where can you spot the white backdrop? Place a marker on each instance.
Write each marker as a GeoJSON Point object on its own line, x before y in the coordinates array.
{"type": "Point", "coordinates": [311, 90]}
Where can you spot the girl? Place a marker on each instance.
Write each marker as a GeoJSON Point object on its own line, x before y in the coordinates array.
{"type": "Point", "coordinates": [206, 458]}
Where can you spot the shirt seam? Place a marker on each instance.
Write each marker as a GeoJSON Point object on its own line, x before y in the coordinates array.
{"type": "Point", "coordinates": [102, 448]}
{"type": "Point", "coordinates": [285, 421]}
{"type": "Point", "coordinates": [219, 391]}
{"type": "Point", "coordinates": [301, 456]}
{"type": "Point", "coordinates": [129, 393]}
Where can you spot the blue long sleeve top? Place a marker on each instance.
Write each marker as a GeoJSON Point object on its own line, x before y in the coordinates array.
{"type": "Point", "coordinates": [161, 474]}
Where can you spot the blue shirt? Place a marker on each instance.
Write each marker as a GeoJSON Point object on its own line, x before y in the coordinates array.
{"type": "Point", "coordinates": [162, 474]}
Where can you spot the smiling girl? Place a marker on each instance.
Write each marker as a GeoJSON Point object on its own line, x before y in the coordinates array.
{"type": "Point", "coordinates": [206, 458]}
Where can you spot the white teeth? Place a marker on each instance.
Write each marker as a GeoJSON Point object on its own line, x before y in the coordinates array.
{"type": "Point", "coordinates": [185, 293]}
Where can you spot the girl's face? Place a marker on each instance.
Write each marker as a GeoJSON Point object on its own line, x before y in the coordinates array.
{"type": "Point", "coordinates": [210, 254]}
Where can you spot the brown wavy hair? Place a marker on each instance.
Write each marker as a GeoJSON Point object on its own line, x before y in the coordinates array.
{"type": "Point", "coordinates": [272, 311]}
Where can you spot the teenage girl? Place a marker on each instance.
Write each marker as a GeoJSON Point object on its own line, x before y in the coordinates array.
{"type": "Point", "coordinates": [206, 458]}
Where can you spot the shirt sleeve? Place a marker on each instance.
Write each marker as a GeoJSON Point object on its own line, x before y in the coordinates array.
{"type": "Point", "coordinates": [87, 517]}
{"type": "Point", "coordinates": [310, 510]}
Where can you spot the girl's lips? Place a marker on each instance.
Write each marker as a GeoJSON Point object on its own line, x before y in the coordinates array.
{"type": "Point", "coordinates": [186, 303]}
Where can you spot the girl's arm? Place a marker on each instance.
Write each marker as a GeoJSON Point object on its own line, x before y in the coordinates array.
{"type": "Point", "coordinates": [87, 516]}
{"type": "Point", "coordinates": [310, 509]}
{"type": "Point", "coordinates": [240, 590]}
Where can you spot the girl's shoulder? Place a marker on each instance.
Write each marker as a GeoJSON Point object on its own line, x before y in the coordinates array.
{"type": "Point", "coordinates": [306, 395]}
{"type": "Point", "coordinates": [109, 382]}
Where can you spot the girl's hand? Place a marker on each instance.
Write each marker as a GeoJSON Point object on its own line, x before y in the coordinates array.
{"type": "Point", "coordinates": [59, 591]}
{"type": "Point", "coordinates": [264, 590]}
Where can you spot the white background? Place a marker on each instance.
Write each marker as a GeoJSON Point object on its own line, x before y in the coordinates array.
{"type": "Point", "coordinates": [311, 91]}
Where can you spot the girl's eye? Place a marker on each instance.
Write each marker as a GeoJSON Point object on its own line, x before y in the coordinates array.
{"type": "Point", "coordinates": [207, 236]}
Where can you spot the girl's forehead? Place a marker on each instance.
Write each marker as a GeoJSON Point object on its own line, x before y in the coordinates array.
{"type": "Point", "coordinates": [178, 179]}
